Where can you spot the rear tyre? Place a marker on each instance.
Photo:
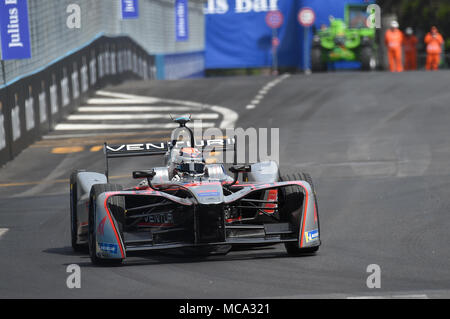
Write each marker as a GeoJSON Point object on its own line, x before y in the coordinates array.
{"type": "Point", "coordinates": [73, 213]}
{"type": "Point", "coordinates": [117, 209]}
{"type": "Point", "coordinates": [292, 197]}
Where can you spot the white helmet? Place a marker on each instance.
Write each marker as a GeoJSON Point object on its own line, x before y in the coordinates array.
{"type": "Point", "coordinates": [409, 31]}
{"type": "Point", "coordinates": [394, 24]}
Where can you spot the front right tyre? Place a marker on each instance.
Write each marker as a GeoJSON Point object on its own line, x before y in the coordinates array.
{"type": "Point", "coordinates": [293, 199]}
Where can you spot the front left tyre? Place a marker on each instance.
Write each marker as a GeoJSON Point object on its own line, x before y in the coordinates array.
{"type": "Point", "coordinates": [119, 207]}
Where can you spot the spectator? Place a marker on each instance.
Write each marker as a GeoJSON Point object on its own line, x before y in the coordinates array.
{"type": "Point", "coordinates": [393, 40]}
{"type": "Point", "coordinates": [434, 42]}
{"type": "Point", "coordinates": [410, 49]}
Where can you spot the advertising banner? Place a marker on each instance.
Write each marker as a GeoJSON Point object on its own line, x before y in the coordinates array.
{"type": "Point", "coordinates": [130, 9]}
{"type": "Point", "coordinates": [14, 30]}
{"type": "Point", "coordinates": [181, 20]}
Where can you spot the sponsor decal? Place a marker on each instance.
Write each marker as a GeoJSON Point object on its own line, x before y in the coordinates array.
{"type": "Point", "coordinates": [158, 220]}
{"type": "Point", "coordinates": [208, 193]}
{"type": "Point", "coordinates": [312, 235]}
{"type": "Point", "coordinates": [108, 248]}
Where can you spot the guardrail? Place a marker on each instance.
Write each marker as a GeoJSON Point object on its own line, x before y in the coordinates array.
{"type": "Point", "coordinates": [32, 105]}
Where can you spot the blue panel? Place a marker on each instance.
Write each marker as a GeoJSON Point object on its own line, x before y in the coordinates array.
{"type": "Point", "coordinates": [14, 30]}
{"type": "Point", "coordinates": [237, 35]}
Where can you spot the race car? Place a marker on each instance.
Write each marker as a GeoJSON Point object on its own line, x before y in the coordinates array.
{"type": "Point", "coordinates": [190, 204]}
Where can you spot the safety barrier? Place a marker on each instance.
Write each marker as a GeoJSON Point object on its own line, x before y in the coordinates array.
{"type": "Point", "coordinates": [31, 105]}
{"type": "Point", "coordinates": [180, 66]}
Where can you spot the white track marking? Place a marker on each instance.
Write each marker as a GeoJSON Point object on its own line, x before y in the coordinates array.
{"type": "Point", "coordinates": [230, 117]}
{"type": "Point", "coordinates": [88, 127]}
{"type": "Point", "coordinates": [85, 109]}
{"type": "Point", "coordinates": [106, 101]}
{"type": "Point", "coordinates": [3, 231]}
{"type": "Point", "coordinates": [112, 102]}
{"type": "Point", "coordinates": [266, 88]}
{"type": "Point", "coordinates": [115, 117]}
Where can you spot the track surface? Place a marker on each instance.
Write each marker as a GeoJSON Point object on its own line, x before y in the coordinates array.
{"type": "Point", "coordinates": [377, 145]}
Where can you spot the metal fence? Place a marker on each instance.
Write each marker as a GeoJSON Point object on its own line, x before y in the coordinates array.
{"type": "Point", "coordinates": [51, 39]}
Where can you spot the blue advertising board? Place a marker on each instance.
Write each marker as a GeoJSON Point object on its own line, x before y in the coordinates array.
{"type": "Point", "coordinates": [237, 35]}
{"type": "Point", "coordinates": [15, 32]}
{"type": "Point", "coordinates": [130, 9]}
{"type": "Point", "coordinates": [181, 20]}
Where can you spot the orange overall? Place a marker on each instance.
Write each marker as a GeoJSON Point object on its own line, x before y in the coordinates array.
{"type": "Point", "coordinates": [393, 40]}
{"type": "Point", "coordinates": [434, 43]}
{"type": "Point", "coordinates": [410, 49]}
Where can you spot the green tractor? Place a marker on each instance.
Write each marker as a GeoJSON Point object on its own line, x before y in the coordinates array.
{"type": "Point", "coordinates": [341, 43]}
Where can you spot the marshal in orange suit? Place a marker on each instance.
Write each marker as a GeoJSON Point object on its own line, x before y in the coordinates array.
{"type": "Point", "coordinates": [394, 40]}
{"type": "Point", "coordinates": [434, 41]}
{"type": "Point", "coordinates": [410, 49]}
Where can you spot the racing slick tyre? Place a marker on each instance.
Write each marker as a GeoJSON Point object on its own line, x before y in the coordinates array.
{"type": "Point", "coordinates": [368, 60]}
{"type": "Point", "coordinates": [292, 196]}
{"type": "Point", "coordinates": [117, 209]}
{"type": "Point", "coordinates": [73, 213]}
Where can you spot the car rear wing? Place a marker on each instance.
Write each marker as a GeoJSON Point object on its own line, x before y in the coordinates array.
{"type": "Point", "coordinates": [161, 149]}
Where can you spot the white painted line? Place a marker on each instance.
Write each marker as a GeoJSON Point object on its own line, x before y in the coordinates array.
{"type": "Point", "coordinates": [114, 117]}
{"type": "Point", "coordinates": [107, 101]}
{"type": "Point", "coordinates": [3, 231]}
{"type": "Point", "coordinates": [134, 109]}
{"type": "Point", "coordinates": [261, 94]}
{"type": "Point", "coordinates": [124, 95]}
{"type": "Point", "coordinates": [88, 127]}
{"type": "Point", "coordinates": [229, 120]}
{"type": "Point", "coordinates": [230, 117]}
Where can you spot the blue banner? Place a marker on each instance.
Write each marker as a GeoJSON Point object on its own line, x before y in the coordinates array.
{"type": "Point", "coordinates": [15, 33]}
{"type": "Point", "coordinates": [181, 20]}
{"type": "Point", "coordinates": [130, 9]}
{"type": "Point", "coordinates": [237, 35]}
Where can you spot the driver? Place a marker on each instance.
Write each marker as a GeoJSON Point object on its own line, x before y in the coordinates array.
{"type": "Point", "coordinates": [188, 161]}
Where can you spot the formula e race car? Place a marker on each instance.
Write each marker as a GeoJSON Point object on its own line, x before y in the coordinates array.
{"type": "Point", "coordinates": [189, 204]}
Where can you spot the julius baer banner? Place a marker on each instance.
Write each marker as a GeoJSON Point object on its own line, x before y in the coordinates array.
{"type": "Point", "coordinates": [15, 34]}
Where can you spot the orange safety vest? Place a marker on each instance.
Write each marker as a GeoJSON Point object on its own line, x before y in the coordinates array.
{"type": "Point", "coordinates": [393, 39]}
{"type": "Point", "coordinates": [410, 44]}
{"type": "Point", "coordinates": [434, 43]}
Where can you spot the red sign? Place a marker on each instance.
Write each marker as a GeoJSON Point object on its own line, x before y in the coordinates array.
{"type": "Point", "coordinates": [275, 42]}
{"type": "Point", "coordinates": [306, 17]}
{"type": "Point", "coordinates": [274, 19]}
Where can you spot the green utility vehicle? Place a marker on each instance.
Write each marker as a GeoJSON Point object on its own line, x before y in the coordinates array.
{"type": "Point", "coordinates": [349, 40]}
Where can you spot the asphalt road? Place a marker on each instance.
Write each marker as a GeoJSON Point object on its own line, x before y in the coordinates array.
{"type": "Point", "coordinates": [376, 144]}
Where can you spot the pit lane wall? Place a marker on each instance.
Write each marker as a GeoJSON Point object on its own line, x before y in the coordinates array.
{"type": "Point", "coordinates": [31, 106]}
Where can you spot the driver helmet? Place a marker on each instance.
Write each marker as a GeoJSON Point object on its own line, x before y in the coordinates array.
{"type": "Point", "coordinates": [189, 160]}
